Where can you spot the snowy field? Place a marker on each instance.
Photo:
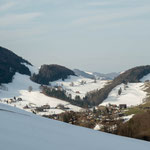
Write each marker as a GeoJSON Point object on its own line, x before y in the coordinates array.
{"type": "Point", "coordinates": [131, 95]}
{"type": "Point", "coordinates": [75, 85]}
{"type": "Point", "coordinates": [21, 130]}
{"type": "Point", "coordinates": [19, 88]}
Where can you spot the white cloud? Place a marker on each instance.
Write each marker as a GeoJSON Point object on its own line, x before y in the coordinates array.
{"type": "Point", "coordinates": [7, 6]}
{"type": "Point", "coordinates": [15, 19]}
{"type": "Point", "coordinates": [99, 3]}
{"type": "Point", "coordinates": [20, 34]}
{"type": "Point", "coordinates": [111, 15]}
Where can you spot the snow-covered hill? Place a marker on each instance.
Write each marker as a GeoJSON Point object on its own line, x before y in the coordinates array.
{"type": "Point", "coordinates": [132, 94]}
{"type": "Point", "coordinates": [10, 63]}
{"type": "Point", "coordinates": [80, 85]}
{"type": "Point", "coordinates": [21, 130]}
{"type": "Point", "coordinates": [19, 88]}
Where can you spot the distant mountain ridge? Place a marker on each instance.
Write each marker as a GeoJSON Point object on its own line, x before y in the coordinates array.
{"type": "Point", "coordinates": [96, 75]}
{"type": "Point", "coordinates": [83, 74]}
{"type": "Point", "coordinates": [10, 63]}
{"type": "Point", "coordinates": [108, 76]}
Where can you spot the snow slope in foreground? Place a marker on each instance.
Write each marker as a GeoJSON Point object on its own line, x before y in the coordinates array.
{"type": "Point", "coordinates": [132, 95]}
{"type": "Point", "coordinates": [21, 130]}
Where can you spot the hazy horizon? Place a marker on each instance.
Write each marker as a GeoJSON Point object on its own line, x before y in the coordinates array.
{"type": "Point", "coordinates": [100, 35]}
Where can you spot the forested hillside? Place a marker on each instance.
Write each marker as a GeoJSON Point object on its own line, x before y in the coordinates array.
{"type": "Point", "coordinates": [130, 76]}
{"type": "Point", "coordinates": [49, 73]}
{"type": "Point", "coordinates": [10, 63]}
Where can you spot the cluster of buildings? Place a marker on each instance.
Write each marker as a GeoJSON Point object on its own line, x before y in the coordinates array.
{"type": "Point", "coordinates": [104, 118]}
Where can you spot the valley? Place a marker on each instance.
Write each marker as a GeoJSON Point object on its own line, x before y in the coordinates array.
{"type": "Point", "coordinates": [56, 92]}
{"type": "Point", "coordinates": [19, 88]}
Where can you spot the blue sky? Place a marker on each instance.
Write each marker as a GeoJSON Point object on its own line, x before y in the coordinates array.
{"type": "Point", "coordinates": [92, 35]}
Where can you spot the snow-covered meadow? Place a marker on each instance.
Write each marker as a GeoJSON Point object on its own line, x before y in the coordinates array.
{"type": "Point", "coordinates": [76, 85]}
{"type": "Point", "coordinates": [19, 88]}
{"type": "Point", "coordinates": [132, 94]}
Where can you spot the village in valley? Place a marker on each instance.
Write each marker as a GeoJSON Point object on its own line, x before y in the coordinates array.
{"type": "Point", "coordinates": [103, 118]}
